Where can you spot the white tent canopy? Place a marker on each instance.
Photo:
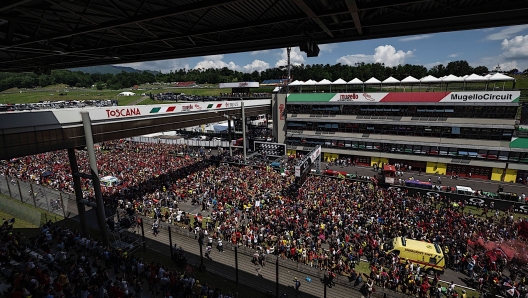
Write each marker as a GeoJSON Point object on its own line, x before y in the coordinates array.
{"type": "Point", "coordinates": [452, 78]}
{"type": "Point", "coordinates": [355, 81]}
{"type": "Point", "coordinates": [475, 78]}
{"type": "Point", "coordinates": [372, 80]}
{"type": "Point", "coordinates": [390, 80]}
{"type": "Point", "coordinates": [501, 77]}
{"type": "Point", "coordinates": [310, 83]}
{"type": "Point", "coordinates": [324, 82]}
{"type": "Point", "coordinates": [430, 79]}
{"type": "Point", "coordinates": [410, 79]}
{"type": "Point", "coordinates": [339, 82]}
{"type": "Point", "coordinates": [127, 93]}
{"type": "Point", "coordinates": [296, 83]}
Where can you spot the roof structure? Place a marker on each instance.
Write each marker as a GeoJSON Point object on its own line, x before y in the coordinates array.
{"type": "Point", "coordinates": [390, 80]}
{"type": "Point", "coordinates": [500, 77]}
{"type": "Point", "coordinates": [356, 81]}
{"type": "Point", "coordinates": [430, 79]}
{"type": "Point", "coordinates": [372, 80]}
{"type": "Point", "coordinates": [40, 35]}
{"type": "Point", "coordinates": [452, 78]}
{"type": "Point", "coordinates": [410, 79]}
{"type": "Point", "coordinates": [339, 82]}
{"type": "Point", "coordinates": [324, 82]}
{"type": "Point", "coordinates": [475, 78]}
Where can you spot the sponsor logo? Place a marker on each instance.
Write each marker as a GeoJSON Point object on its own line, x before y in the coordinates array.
{"type": "Point", "coordinates": [281, 111]}
{"type": "Point", "coordinates": [197, 106]}
{"type": "Point", "coordinates": [348, 97]}
{"type": "Point", "coordinates": [476, 202]}
{"type": "Point", "coordinates": [231, 104]}
{"type": "Point", "coordinates": [433, 194]}
{"type": "Point", "coordinates": [187, 108]}
{"type": "Point", "coordinates": [368, 97]}
{"type": "Point", "coordinates": [521, 209]}
{"type": "Point", "coordinates": [486, 96]}
{"type": "Point", "coordinates": [243, 84]}
{"type": "Point", "coordinates": [123, 113]}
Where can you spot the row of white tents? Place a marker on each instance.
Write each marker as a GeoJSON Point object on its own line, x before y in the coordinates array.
{"type": "Point", "coordinates": [497, 77]}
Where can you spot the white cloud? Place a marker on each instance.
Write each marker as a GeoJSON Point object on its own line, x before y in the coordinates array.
{"type": "Point", "coordinates": [515, 48]}
{"type": "Point", "coordinates": [215, 61]}
{"type": "Point", "coordinates": [387, 54]}
{"type": "Point", "coordinates": [206, 64]}
{"type": "Point", "coordinates": [383, 54]}
{"type": "Point", "coordinates": [327, 47]}
{"type": "Point", "coordinates": [416, 37]}
{"type": "Point", "coordinates": [296, 57]}
{"type": "Point", "coordinates": [164, 66]}
{"type": "Point", "coordinates": [256, 65]}
{"type": "Point", "coordinates": [506, 66]}
{"type": "Point", "coordinates": [356, 58]}
{"type": "Point", "coordinates": [507, 32]}
{"type": "Point", "coordinates": [260, 52]}
{"type": "Point", "coordinates": [453, 55]}
{"type": "Point", "coordinates": [214, 57]}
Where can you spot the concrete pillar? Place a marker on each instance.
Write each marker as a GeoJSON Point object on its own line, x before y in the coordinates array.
{"type": "Point", "coordinates": [78, 191]}
{"type": "Point", "coordinates": [101, 217]}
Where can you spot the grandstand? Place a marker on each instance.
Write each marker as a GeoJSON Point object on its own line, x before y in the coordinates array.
{"type": "Point", "coordinates": [273, 82]}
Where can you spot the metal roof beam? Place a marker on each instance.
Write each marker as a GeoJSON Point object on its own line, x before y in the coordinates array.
{"type": "Point", "coordinates": [8, 4]}
{"type": "Point", "coordinates": [311, 14]}
{"type": "Point", "coordinates": [128, 21]}
{"type": "Point", "coordinates": [353, 8]}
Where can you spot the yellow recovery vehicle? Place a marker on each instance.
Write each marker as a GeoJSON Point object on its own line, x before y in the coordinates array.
{"type": "Point", "coordinates": [429, 256]}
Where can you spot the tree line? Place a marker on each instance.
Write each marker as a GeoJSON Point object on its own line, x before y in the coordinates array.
{"type": "Point", "coordinates": [317, 72]}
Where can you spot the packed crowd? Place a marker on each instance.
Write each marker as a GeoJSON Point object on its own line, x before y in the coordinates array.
{"type": "Point", "coordinates": [136, 165]}
{"type": "Point", "coordinates": [327, 223]}
{"type": "Point", "coordinates": [59, 262]}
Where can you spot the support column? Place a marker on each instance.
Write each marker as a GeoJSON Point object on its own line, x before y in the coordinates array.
{"type": "Point", "coordinates": [78, 191]}
{"type": "Point", "coordinates": [229, 136]}
{"type": "Point", "coordinates": [101, 217]}
{"type": "Point", "coordinates": [244, 137]}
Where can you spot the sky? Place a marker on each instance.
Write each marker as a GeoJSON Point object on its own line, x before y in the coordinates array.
{"type": "Point", "coordinates": [506, 46]}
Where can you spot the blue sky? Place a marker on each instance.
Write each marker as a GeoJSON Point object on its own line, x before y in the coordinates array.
{"type": "Point", "coordinates": [507, 46]}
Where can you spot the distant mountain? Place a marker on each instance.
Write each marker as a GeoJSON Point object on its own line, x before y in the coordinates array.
{"type": "Point", "coordinates": [102, 69]}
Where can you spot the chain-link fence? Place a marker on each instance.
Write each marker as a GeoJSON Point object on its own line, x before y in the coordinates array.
{"type": "Point", "coordinates": [20, 211]}
{"type": "Point", "coordinates": [42, 197]}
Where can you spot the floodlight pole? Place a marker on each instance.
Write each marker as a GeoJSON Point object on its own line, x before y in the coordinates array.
{"type": "Point", "coordinates": [244, 140]}
{"type": "Point", "coordinates": [288, 50]}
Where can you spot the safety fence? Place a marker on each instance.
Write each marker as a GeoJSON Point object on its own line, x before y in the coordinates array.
{"type": "Point", "coordinates": [181, 141]}
{"type": "Point", "coordinates": [39, 196]}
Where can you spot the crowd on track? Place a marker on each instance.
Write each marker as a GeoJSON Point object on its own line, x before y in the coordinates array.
{"type": "Point", "coordinates": [326, 223]}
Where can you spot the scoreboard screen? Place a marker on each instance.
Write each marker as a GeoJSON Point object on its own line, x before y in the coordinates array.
{"type": "Point", "coordinates": [270, 149]}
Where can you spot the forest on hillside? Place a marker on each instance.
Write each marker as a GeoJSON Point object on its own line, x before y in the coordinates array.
{"type": "Point", "coordinates": [317, 72]}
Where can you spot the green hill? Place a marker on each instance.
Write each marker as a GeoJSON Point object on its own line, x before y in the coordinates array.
{"type": "Point", "coordinates": [103, 69]}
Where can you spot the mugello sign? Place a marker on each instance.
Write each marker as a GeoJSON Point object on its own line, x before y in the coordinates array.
{"type": "Point", "coordinates": [451, 97]}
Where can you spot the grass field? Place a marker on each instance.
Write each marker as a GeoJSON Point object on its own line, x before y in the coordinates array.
{"type": "Point", "coordinates": [44, 215]}
{"type": "Point", "coordinates": [52, 93]}
{"type": "Point", "coordinates": [19, 223]}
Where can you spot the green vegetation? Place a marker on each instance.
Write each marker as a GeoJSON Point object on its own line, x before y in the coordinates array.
{"type": "Point", "coordinates": [211, 77]}
{"type": "Point", "coordinates": [19, 223]}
